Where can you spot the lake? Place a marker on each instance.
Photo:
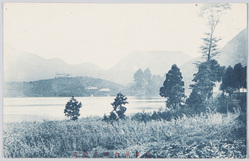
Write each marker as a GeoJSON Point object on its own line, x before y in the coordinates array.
{"type": "Point", "coordinates": [52, 108]}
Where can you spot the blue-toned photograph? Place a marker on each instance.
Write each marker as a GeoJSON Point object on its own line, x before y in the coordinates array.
{"type": "Point", "coordinates": [125, 80]}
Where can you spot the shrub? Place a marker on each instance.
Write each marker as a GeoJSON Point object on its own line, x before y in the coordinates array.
{"type": "Point", "coordinates": [142, 117]}
{"type": "Point", "coordinates": [160, 115]}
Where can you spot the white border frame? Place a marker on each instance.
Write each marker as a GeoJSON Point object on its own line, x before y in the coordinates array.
{"type": "Point", "coordinates": [112, 1]}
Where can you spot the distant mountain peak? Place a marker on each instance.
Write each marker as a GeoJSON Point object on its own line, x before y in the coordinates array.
{"type": "Point", "coordinates": [31, 67]}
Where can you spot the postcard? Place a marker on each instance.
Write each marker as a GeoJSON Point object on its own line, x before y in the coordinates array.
{"type": "Point", "coordinates": [124, 80]}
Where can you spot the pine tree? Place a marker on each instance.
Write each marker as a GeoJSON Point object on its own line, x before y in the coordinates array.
{"type": "Point", "coordinates": [72, 109]}
{"type": "Point", "coordinates": [234, 78]}
{"type": "Point", "coordinates": [195, 103]}
{"type": "Point", "coordinates": [213, 13]}
{"type": "Point", "coordinates": [240, 76]}
{"type": "Point", "coordinates": [209, 48]}
{"type": "Point", "coordinates": [208, 73]}
{"type": "Point", "coordinates": [117, 106]}
{"type": "Point", "coordinates": [228, 81]}
{"type": "Point", "coordinates": [173, 88]}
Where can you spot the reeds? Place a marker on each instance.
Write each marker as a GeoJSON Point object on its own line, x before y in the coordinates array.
{"type": "Point", "coordinates": [205, 136]}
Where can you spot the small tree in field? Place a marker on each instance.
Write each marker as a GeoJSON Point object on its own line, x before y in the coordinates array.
{"type": "Point", "coordinates": [117, 105]}
{"type": "Point", "coordinates": [72, 109]}
{"type": "Point", "coordinates": [118, 110]}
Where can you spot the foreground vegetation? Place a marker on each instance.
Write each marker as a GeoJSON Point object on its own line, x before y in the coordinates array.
{"type": "Point", "coordinates": [205, 136]}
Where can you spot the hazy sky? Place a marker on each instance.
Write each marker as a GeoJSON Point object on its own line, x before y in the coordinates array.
{"type": "Point", "coordinates": [105, 33]}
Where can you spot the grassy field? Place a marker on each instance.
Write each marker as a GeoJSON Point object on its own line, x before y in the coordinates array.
{"type": "Point", "coordinates": [210, 136]}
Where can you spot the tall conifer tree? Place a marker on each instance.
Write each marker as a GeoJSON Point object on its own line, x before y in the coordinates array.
{"type": "Point", "coordinates": [173, 88]}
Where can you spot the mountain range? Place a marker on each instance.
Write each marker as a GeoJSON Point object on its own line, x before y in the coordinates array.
{"type": "Point", "coordinates": [31, 67]}
{"type": "Point", "coordinates": [24, 67]}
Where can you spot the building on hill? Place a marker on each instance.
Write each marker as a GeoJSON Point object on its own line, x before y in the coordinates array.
{"type": "Point", "coordinates": [62, 75]}
{"type": "Point", "coordinates": [105, 91]}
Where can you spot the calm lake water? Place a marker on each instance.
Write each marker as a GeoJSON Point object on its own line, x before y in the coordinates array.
{"type": "Point", "coordinates": [52, 108]}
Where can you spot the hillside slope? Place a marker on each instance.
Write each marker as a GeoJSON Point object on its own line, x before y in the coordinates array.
{"type": "Point", "coordinates": [235, 51]}
{"type": "Point", "coordinates": [62, 87]}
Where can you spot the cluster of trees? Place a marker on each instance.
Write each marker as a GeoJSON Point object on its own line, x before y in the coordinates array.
{"type": "Point", "coordinates": [234, 79]}
{"type": "Point", "coordinates": [209, 73]}
{"type": "Point", "coordinates": [145, 84]}
{"type": "Point", "coordinates": [201, 99]}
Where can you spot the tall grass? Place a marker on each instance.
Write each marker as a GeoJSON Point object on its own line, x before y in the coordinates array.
{"type": "Point", "coordinates": [208, 136]}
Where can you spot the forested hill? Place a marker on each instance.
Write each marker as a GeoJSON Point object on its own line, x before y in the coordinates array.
{"type": "Point", "coordinates": [62, 87]}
